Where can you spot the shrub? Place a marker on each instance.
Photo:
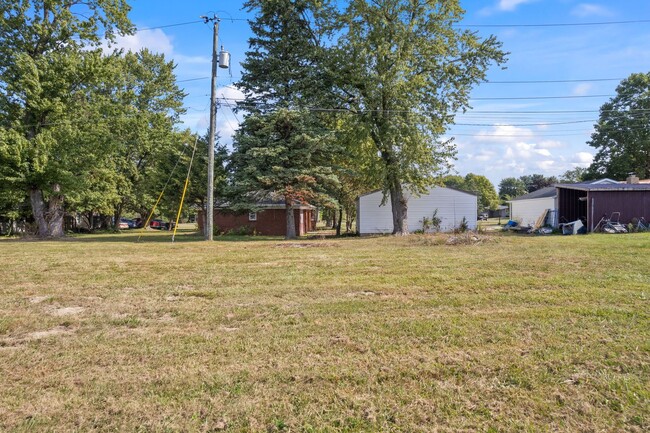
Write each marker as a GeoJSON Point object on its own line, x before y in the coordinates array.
{"type": "Point", "coordinates": [462, 227]}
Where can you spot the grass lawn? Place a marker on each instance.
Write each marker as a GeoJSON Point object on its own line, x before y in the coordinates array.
{"type": "Point", "coordinates": [517, 333]}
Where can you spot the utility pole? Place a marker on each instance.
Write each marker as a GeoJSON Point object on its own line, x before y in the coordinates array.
{"type": "Point", "coordinates": [209, 213]}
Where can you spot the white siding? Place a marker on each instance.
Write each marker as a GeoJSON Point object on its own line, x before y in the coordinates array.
{"type": "Point", "coordinates": [452, 206]}
{"type": "Point", "coordinates": [528, 211]}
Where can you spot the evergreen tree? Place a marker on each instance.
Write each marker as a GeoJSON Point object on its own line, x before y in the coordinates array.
{"type": "Point", "coordinates": [280, 148]}
{"type": "Point", "coordinates": [278, 154]}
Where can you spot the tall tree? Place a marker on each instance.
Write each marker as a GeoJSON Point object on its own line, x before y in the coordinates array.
{"type": "Point", "coordinates": [454, 181]}
{"type": "Point", "coordinates": [577, 174]}
{"type": "Point", "coordinates": [537, 181]}
{"type": "Point", "coordinates": [284, 65]}
{"type": "Point", "coordinates": [511, 187]}
{"type": "Point", "coordinates": [276, 154]}
{"type": "Point", "coordinates": [487, 195]}
{"type": "Point", "coordinates": [282, 75]}
{"type": "Point", "coordinates": [404, 70]}
{"type": "Point", "coordinates": [622, 134]}
{"type": "Point", "coordinates": [45, 64]}
{"type": "Point", "coordinates": [145, 104]}
{"type": "Point", "coordinates": [172, 167]}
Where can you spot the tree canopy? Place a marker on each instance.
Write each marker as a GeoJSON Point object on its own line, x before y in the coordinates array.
{"type": "Point", "coordinates": [274, 156]}
{"type": "Point", "coordinates": [402, 71]}
{"type": "Point", "coordinates": [511, 187]}
{"type": "Point", "coordinates": [47, 73]}
{"type": "Point", "coordinates": [622, 134]}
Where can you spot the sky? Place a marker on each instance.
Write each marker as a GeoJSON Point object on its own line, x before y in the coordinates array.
{"type": "Point", "coordinates": [534, 115]}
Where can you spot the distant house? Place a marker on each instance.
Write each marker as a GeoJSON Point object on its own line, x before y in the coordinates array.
{"type": "Point", "coordinates": [452, 207]}
{"type": "Point", "coordinates": [269, 219]}
{"type": "Point", "coordinates": [527, 209]}
{"type": "Point", "coordinates": [502, 211]}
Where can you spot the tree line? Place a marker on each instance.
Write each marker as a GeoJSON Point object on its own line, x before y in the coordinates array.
{"type": "Point", "coordinates": [340, 98]}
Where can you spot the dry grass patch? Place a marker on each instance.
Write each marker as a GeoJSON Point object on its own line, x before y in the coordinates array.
{"type": "Point", "coordinates": [347, 335]}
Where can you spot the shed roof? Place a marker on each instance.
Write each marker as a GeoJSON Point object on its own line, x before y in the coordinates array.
{"type": "Point", "coordinates": [605, 187]}
{"type": "Point", "coordinates": [432, 186]}
{"type": "Point", "coordinates": [546, 192]}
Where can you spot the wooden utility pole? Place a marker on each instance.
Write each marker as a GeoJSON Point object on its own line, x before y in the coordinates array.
{"type": "Point", "coordinates": [209, 213]}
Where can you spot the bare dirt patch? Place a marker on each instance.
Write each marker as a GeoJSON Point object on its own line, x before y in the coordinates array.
{"type": "Point", "coordinates": [36, 335]}
{"type": "Point", "coordinates": [306, 245]}
{"type": "Point", "coordinates": [38, 299]}
{"type": "Point", "coordinates": [364, 293]}
{"type": "Point", "coordinates": [65, 311]}
{"type": "Point", "coordinates": [467, 238]}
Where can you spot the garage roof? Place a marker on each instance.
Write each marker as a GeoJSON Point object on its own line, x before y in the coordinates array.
{"type": "Point", "coordinates": [549, 191]}
{"type": "Point", "coordinates": [605, 187]}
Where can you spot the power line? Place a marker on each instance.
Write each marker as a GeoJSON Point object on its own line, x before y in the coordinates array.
{"type": "Point", "coordinates": [584, 80]}
{"type": "Point", "coordinates": [573, 24]}
{"type": "Point", "coordinates": [164, 26]}
{"type": "Point", "coordinates": [598, 23]}
{"type": "Point", "coordinates": [509, 98]}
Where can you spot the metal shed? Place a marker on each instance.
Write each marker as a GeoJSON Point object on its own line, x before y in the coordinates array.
{"type": "Point", "coordinates": [452, 205]}
{"type": "Point", "coordinates": [527, 208]}
{"type": "Point", "coordinates": [593, 201]}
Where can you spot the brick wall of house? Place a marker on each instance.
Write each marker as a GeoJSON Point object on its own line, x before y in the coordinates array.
{"type": "Point", "coordinates": [270, 222]}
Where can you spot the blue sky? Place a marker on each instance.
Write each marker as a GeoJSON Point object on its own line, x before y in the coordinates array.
{"type": "Point", "coordinates": [501, 136]}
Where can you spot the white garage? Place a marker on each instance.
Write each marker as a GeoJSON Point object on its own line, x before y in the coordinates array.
{"type": "Point", "coordinates": [527, 209]}
{"type": "Point", "coordinates": [453, 205]}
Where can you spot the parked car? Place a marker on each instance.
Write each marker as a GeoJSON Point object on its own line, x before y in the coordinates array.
{"type": "Point", "coordinates": [126, 223]}
{"type": "Point", "coordinates": [483, 216]}
{"type": "Point", "coordinates": [159, 224]}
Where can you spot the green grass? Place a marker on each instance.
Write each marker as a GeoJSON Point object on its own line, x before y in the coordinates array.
{"type": "Point", "coordinates": [516, 333]}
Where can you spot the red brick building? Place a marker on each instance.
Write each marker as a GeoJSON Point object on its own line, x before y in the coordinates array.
{"type": "Point", "coordinates": [269, 220]}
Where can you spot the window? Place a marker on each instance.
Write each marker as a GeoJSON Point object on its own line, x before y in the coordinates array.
{"type": "Point", "coordinates": [252, 216]}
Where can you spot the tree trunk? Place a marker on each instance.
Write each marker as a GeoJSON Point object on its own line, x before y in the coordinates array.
{"type": "Point", "coordinates": [399, 207]}
{"type": "Point", "coordinates": [48, 217]}
{"type": "Point", "coordinates": [291, 222]}
{"type": "Point", "coordinates": [117, 216]}
{"type": "Point", "coordinates": [349, 220]}
{"type": "Point", "coordinates": [338, 225]}
{"type": "Point", "coordinates": [38, 209]}
{"type": "Point", "coordinates": [56, 213]}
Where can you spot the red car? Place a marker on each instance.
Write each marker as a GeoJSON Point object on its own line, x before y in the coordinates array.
{"type": "Point", "coordinates": [159, 224]}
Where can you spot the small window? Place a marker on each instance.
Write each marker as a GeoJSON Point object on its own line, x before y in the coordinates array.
{"type": "Point", "coordinates": [252, 216]}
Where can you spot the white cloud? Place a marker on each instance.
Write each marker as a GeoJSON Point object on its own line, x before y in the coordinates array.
{"type": "Point", "coordinates": [582, 89]}
{"type": "Point", "coordinates": [582, 159]}
{"type": "Point", "coordinates": [546, 165]}
{"type": "Point", "coordinates": [510, 5]}
{"type": "Point", "coordinates": [550, 144]}
{"type": "Point", "coordinates": [504, 6]}
{"type": "Point", "coordinates": [155, 40]}
{"type": "Point", "coordinates": [504, 133]}
{"type": "Point", "coordinates": [590, 9]}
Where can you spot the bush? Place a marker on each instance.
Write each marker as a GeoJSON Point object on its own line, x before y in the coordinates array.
{"type": "Point", "coordinates": [462, 227]}
{"type": "Point", "coordinates": [430, 224]}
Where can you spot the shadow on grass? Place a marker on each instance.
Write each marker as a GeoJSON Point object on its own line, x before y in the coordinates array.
{"type": "Point", "coordinates": [182, 236]}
